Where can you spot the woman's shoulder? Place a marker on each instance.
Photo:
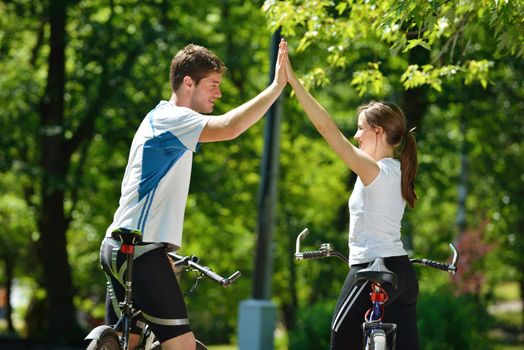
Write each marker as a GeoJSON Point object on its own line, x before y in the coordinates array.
{"type": "Point", "coordinates": [389, 166]}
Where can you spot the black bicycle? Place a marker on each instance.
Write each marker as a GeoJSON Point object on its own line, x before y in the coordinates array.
{"type": "Point", "coordinates": [116, 337]}
{"type": "Point", "coordinates": [375, 332]}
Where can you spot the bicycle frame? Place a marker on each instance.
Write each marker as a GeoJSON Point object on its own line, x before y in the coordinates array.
{"type": "Point", "coordinates": [129, 239]}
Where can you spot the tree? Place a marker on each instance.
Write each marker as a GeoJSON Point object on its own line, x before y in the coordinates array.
{"type": "Point", "coordinates": [77, 77]}
{"type": "Point", "coordinates": [454, 32]}
{"type": "Point", "coordinates": [83, 55]}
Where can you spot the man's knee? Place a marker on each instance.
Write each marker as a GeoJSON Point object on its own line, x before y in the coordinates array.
{"type": "Point", "coordinates": [185, 341]}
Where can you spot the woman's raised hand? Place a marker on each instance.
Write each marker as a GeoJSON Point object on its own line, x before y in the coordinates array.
{"type": "Point", "coordinates": [281, 77]}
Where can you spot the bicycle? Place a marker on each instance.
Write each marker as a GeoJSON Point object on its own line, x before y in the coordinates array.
{"type": "Point", "coordinates": [375, 332]}
{"type": "Point", "coordinates": [116, 337]}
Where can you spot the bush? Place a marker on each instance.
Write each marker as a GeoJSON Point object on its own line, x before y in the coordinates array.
{"type": "Point", "coordinates": [313, 327]}
{"type": "Point", "coordinates": [447, 322]}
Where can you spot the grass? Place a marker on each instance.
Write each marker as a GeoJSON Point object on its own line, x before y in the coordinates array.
{"type": "Point", "coordinates": [506, 291]}
{"type": "Point", "coordinates": [507, 334]}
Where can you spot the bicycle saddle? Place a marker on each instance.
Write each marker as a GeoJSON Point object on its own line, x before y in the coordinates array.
{"type": "Point", "coordinates": [378, 273]}
{"type": "Point", "coordinates": [127, 236]}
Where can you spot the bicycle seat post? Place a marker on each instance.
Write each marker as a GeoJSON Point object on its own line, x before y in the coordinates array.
{"type": "Point", "coordinates": [129, 239]}
{"type": "Point", "coordinates": [129, 251]}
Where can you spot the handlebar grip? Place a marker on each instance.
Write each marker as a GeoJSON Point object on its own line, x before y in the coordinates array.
{"type": "Point", "coordinates": [227, 281]}
{"type": "Point", "coordinates": [207, 271]}
{"type": "Point", "coordinates": [437, 265]}
{"type": "Point", "coordinates": [316, 254]}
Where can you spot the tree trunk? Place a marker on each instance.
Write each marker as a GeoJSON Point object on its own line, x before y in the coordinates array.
{"type": "Point", "coordinates": [55, 159]}
{"type": "Point", "coordinates": [289, 308]}
{"type": "Point", "coordinates": [520, 265]}
{"type": "Point", "coordinates": [414, 104]}
{"type": "Point", "coordinates": [521, 284]}
{"type": "Point", "coordinates": [9, 284]}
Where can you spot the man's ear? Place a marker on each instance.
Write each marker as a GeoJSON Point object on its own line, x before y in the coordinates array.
{"type": "Point", "coordinates": [187, 81]}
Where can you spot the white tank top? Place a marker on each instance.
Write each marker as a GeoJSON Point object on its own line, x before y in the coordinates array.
{"type": "Point", "coordinates": [375, 213]}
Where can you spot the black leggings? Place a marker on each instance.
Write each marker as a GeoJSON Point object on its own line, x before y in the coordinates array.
{"type": "Point", "coordinates": [354, 301]}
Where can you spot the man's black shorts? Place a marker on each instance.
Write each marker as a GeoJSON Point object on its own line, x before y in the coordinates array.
{"type": "Point", "coordinates": [155, 289]}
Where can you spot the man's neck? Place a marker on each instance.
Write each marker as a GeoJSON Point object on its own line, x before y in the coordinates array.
{"type": "Point", "coordinates": [178, 101]}
{"type": "Point", "coordinates": [173, 100]}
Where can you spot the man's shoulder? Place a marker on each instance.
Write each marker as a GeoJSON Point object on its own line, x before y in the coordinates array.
{"type": "Point", "coordinates": [168, 114]}
{"type": "Point", "coordinates": [167, 107]}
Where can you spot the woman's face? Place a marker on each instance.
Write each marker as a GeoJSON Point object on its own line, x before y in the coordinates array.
{"type": "Point", "coordinates": [366, 135]}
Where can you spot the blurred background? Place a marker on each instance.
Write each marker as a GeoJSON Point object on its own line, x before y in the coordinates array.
{"type": "Point", "coordinates": [78, 76]}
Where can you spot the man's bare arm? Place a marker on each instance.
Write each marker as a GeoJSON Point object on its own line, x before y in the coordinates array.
{"type": "Point", "coordinates": [233, 123]}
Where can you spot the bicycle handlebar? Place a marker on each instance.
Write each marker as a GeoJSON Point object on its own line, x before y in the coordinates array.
{"type": "Point", "coordinates": [451, 268]}
{"type": "Point", "coordinates": [327, 250]}
{"type": "Point", "coordinates": [192, 262]}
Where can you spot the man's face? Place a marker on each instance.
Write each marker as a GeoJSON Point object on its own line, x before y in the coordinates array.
{"type": "Point", "coordinates": [206, 92]}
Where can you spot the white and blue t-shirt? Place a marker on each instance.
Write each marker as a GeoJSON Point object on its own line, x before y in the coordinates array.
{"type": "Point", "coordinates": [375, 213]}
{"type": "Point", "coordinates": [156, 181]}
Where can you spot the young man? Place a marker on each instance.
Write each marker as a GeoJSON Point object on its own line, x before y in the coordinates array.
{"type": "Point", "coordinates": [156, 183]}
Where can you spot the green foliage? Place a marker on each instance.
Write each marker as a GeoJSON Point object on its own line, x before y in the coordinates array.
{"type": "Point", "coordinates": [312, 331]}
{"type": "Point", "coordinates": [370, 80]}
{"type": "Point", "coordinates": [447, 321]}
{"type": "Point", "coordinates": [468, 52]}
{"type": "Point", "coordinates": [118, 57]}
{"type": "Point", "coordinates": [457, 34]}
{"type": "Point", "coordinates": [19, 231]}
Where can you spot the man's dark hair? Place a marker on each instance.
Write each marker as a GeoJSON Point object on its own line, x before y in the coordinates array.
{"type": "Point", "coordinates": [194, 61]}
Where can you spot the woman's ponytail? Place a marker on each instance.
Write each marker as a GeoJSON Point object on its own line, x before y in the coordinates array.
{"type": "Point", "coordinates": [391, 118]}
{"type": "Point", "coordinates": [408, 165]}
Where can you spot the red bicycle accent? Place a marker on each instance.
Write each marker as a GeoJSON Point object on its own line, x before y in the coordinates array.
{"type": "Point", "coordinates": [127, 249]}
{"type": "Point", "coordinates": [378, 296]}
{"type": "Point", "coordinates": [378, 293]}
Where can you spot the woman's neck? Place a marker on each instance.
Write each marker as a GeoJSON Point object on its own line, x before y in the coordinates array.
{"type": "Point", "coordinates": [382, 153]}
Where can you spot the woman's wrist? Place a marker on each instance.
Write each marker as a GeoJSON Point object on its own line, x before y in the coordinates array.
{"type": "Point", "coordinates": [293, 81]}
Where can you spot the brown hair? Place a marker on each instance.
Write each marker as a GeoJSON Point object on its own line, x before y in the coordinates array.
{"type": "Point", "coordinates": [194, 61]}
{"type": "Point", "coordinates": [391, 118]}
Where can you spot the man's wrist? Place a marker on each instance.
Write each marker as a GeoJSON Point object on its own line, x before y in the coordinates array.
{"type": "Point", "coordinates": [277, 87]}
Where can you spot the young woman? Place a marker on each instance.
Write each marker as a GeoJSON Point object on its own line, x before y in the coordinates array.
{"type": "Point", "coordinates": [385, 162]}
